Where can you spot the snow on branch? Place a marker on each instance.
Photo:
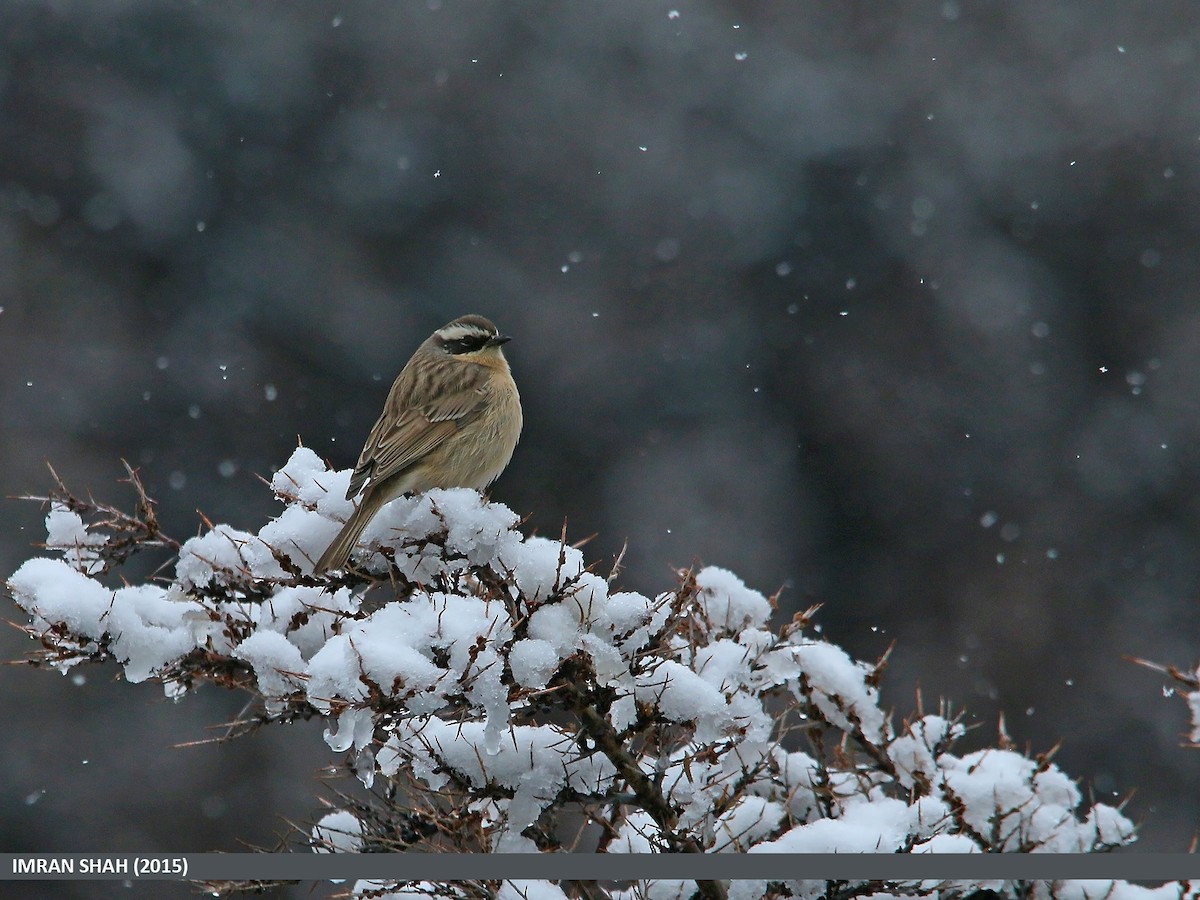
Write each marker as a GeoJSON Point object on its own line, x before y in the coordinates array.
{"type": "Point", "coordinates": [493, 692]}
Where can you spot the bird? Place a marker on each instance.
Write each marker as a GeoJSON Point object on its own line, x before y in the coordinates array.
{"type": "Point", "coordinates": [451, 419]}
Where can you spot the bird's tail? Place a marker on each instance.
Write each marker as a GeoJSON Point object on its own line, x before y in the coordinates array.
{"type": "Point", "coordinates": [338, 552]}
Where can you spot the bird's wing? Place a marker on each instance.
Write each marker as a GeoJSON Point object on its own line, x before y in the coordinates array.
{"type": "Point", "coordinates": [407, 432]}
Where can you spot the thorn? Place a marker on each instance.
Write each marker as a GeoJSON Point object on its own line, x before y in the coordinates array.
{"type": "Point", "coordinates": [774, 598]}
{"type": "Point", "coordinates": [55, 476]}
{"type": "Point", "coordinates": [20, 628]}
{"type": "Point", "coordinates": [1145, 663]}
{"type": "Point", "coordinates": [1006, 741]}
{"type": "Point", "coordinates": [881, 665]}
{"type": "Point", "coordinates": [1043, 759]}
{"type": "Point", "coordinates": [1191, 679]}
{"type": "Point", "coordinates": [617, 563]}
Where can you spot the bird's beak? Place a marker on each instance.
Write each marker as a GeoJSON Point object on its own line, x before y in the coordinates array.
{"type": "Point", "coordinates": [498, 340]}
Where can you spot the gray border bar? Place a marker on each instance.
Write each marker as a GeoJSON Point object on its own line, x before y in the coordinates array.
{"type": "Point", "coordinates": [300, 866]}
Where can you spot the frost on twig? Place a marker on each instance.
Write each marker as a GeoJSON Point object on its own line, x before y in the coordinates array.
{"type": "Point", "coordinates": [494, 693]}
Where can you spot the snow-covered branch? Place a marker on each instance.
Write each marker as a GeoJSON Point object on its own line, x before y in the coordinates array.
{"type": "Point", "coordinates": [496, 693]}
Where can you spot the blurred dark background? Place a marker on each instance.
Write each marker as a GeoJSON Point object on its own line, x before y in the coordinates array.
{"type": "Point", "coordinates": [891, 305]}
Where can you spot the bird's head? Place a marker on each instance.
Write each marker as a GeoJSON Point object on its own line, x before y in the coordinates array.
{"type": "Point", "coordinates": [471, 338]}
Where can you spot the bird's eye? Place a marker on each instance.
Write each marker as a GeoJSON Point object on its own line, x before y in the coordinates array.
{"type": "Point", "coordinates": [466, 345]}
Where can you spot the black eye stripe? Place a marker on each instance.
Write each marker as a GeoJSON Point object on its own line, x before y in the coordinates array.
{"type": "Point", "coordinates": [466, 344]}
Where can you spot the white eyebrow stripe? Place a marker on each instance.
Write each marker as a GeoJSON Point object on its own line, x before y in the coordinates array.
{"type": "Point", "coordinates": [460, 332]}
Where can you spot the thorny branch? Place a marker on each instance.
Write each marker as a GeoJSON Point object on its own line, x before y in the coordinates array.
{"type": "Point", "coordinates": [441, 806]}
